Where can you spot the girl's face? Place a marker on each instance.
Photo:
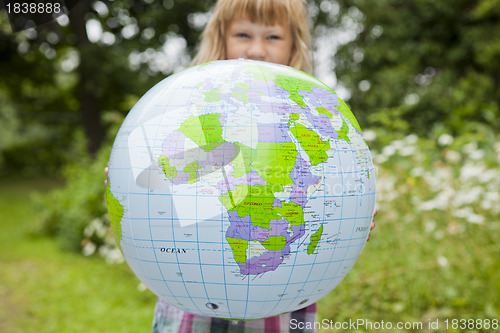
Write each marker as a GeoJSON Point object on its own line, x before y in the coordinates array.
{"type": "Point", "coordinates": [245, 39]}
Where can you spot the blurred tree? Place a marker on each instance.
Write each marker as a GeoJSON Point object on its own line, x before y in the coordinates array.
{"type": "Point", "coordinates": [413, 65]}
{"type": "Point", "coordinates": [64, 75]}
{"type": "Point", "coordinates": [30, 96]}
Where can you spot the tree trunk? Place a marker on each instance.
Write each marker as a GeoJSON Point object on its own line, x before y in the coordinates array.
{"type": "Point", "coordinates": [87, 94]}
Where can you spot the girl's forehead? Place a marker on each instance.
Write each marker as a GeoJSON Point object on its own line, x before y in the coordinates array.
{"type": "Point", "coordinates": [282, 23]}
{"type": "Point", "coordinates": [259, 12]}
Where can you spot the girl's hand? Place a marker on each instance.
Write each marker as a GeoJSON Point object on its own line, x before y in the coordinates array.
{"type": "Point", "coordinates": [373, 224]}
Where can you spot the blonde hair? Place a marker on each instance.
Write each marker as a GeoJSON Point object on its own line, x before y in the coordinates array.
{"type": "Point", "coordinates": [287, 13]}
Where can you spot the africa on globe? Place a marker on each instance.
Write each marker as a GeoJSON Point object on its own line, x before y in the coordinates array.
{"type": "Point", "coordinates": [240, 189]}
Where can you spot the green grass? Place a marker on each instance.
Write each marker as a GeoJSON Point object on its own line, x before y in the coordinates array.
{"type": "Point", "coordinates": [44, 289]}
{"type": "Point", "coordinates": [407, 275]}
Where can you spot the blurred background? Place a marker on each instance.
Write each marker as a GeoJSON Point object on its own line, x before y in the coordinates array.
{"type": "Point", "coordinates": [421, 76]}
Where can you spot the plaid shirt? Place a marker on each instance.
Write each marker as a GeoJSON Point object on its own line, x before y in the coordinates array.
{"type": "Point", "coordinates": [169, 319]}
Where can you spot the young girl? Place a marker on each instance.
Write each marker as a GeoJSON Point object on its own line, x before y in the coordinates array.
{"type": "Point", "coordinates": [279, 28]}
{"type": "Point", "coordinates": [267, 30]}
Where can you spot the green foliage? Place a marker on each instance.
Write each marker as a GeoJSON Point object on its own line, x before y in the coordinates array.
{"type": "Point", "coordinates": [27, 148]}
{"type": "Point", "coordinates": [416, 64]}
{"type": "Point", "coordinates": [67, 212]}
{"type": "Point", "coordinates": [76, 214]}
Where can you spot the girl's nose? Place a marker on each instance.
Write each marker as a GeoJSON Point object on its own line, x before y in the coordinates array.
{"type": "Point", "coordinates": [257, 50]}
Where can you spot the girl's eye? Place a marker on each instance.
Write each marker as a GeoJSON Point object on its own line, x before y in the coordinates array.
{"type": "Point", "coordinates": [242, 35]}
{"type": "Point", "coordinates": [274, 37]}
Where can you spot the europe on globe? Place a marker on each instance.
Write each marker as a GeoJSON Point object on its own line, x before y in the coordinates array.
{"type": "Point", "coordinates": [240, 189]}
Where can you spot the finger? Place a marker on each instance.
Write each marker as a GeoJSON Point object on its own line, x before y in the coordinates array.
{"type": "Point", "coordinates": [372, 225]}
{"type": "Point", "coordinates": [375, 212]}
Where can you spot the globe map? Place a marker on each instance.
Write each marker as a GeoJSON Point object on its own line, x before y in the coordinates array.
{"type": "Point", "coordinates": [240, 189]}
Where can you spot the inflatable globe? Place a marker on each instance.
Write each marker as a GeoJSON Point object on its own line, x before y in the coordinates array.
{"type": "Point", "coordinates": [240, 189]}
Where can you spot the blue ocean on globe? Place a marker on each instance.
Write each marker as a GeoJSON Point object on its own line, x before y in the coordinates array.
{"type": "Point", "coordinates": [241, 189]}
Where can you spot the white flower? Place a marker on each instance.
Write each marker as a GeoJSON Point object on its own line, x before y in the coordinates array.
{"type": "Point", "coordinates": [379, 159]}
{"type": "Point", "coordinates": [468, 214]}
{"type": "Point", "coordinates": [476, 154]}
{"type": "Point", "coordinates": [442, 261]}
{"type": "Point", "coordinates": [369, 135]}
{"type": "Point", "coordinates": [452, 156]}
{"type": "Point", "coordinates": [96, 227]}
{"type": "Point", "coordinates": [491, 200]}
{"type": "Point", "coordinates": [487, 176]}
{"type": "Point", "coordinates": [141, 287]}
{"type": "Point", "coordinates": [411, 99]}
{"type": "Point", "coordinates": [475, 218]}
{"type": "Point", "coordinates": [463, 212]}
{"type": "Point", "coordinates": [407, 150]}
{"type": "Point", "coordinates": [468, 196]}
{"type": "Point", "coordinates": [470, 170]}
{"type": "Point", "coordinates": [441, 201]}
{"type": "Point", "coordinates": [397, 144]}
{"type": "Point", "coordinates": [430, 226]}
{"type": "Point", "coordinates": [439, 179]}
{"type": "Point", "coordinates": [470, 147]}
{"type": "Point", "coordinates": [411, 139]}
{"type": "Point", "coordinates": [417, 172]}
{"type": "Point", "coordinates": [89, 249]}
{"type": "Point", "coordinates": [113, 255]}
{"type": "Point", "coordinates": [90, 229]}
{"type": "Point", "coordinates": [445, 140]}
{"type": "Point", "coordinates": [389, 150]}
